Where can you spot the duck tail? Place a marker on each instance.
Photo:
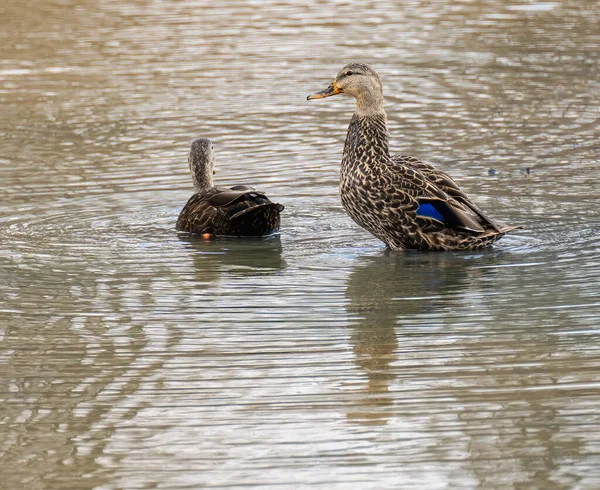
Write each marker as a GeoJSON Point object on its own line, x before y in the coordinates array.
{"type": "Point", "coordinates": [262, 219]}
{"type": "Point", "coordinates": [266, 207]}
{"type": "Point", "coordinates": [508, 228]}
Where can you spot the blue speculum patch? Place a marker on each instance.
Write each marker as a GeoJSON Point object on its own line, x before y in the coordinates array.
{"type": "Point", "coordinates": [429, 211]}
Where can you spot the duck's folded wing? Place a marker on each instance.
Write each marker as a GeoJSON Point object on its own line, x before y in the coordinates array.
{"type": "Point", "coordinates": [439, 190]}
{"type": "Point", "coordinates": [230, 196]}
{"type": "Point", "coordinates": [433, 199]}
{"type": "Point", "coordinates": [241, 187]}
{"type": "Point", "coordinates": [441, 179]}
{"type": "Point", "coordinates": [239, 211]}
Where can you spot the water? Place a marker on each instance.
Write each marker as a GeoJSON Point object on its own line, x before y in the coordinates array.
{"type": "Point", "coordinates": [135, 357]}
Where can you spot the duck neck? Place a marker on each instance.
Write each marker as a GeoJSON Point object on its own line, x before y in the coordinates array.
{"type": "Point", "coordinates": [369, 102]}
{"type": "Point", "coordinates": [367, 140]}
{"type": "Point", "coordinates": [201, 175]}
{"type": "Point", "coordinates": [202, 184]}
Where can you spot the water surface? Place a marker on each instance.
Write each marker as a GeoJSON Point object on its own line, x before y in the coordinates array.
{"type": "Point", "coordinates": [136, 357]}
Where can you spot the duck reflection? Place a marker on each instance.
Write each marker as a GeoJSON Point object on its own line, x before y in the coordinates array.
{"type": "Point", "coordinates": [248, 256]}
{"type": "Point", "coordinates": [225, 272]}
{"type": "Point", "coordinates": [380, 291]}
{"type": "Point", "coordinates": [446, 327]}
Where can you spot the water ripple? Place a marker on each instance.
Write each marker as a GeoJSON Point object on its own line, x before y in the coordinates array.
{"type": "Point", "coordinates": [135, 356]}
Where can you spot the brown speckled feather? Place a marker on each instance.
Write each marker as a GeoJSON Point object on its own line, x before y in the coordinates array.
{"type": "Point", "coordinates": [236, 211]}
{"type": "Point", "coordinates": [239, 211]}
{"type": "Point", "coordinates": [446, 184]}
{"type": "Point", "coordinates": [404, 202]}
{"type": "Point", "coordinates": [382, 194]}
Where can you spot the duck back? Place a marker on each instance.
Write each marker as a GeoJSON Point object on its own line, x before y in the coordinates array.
{"type": "Point", "coordinates": [235, 211]}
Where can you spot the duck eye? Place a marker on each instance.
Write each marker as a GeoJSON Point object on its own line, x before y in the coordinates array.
{"type": "Point", "coordinates": [348, 73]}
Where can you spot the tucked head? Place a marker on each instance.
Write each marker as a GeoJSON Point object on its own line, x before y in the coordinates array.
{"type": "Point", "coordinates": [202, 163]}
{"type": "Point", "coordinates": [360, 81]}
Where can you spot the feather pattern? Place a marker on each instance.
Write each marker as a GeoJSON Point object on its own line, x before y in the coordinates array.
{"type": "Point", "coordinates": [383, 193]}
{"type": "Point", "coordinates": [250, 213]}
{"type": "Point", "coordinates": [237, 211]}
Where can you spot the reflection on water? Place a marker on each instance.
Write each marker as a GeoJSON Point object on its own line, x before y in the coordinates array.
{"type": "Point", "coordinates": [135, 357]}
{"type": "Point", "coordinates": [251, 257]}
{"type": "Point", "coordinates": [424, 335]}
{"type": "Point", "coordinates": [383, 289]}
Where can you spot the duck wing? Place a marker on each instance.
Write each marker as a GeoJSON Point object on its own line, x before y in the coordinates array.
{"type": "Point", "coordinates": [237, 211]}
{"type": "Point", "coordinates": [439, 178]}
{"type": "Point", "coordinates": [227, 197]}
{"type": "Point", "coordinates": [438, 197]}
{"type": "Point", "coordinates": [262, 218]}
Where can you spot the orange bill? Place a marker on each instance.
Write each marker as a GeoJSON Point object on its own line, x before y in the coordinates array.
{"type": "Point", "coordinates": [328, 92]}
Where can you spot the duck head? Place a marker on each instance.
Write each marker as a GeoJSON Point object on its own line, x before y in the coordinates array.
{"type": "Point", "coordinates": [202, 163]}
{"type": "Point", "coordinates": [360, 81]}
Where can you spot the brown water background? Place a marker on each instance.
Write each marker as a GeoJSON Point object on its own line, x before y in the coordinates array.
{"type": "Point", "coordinates": [134, 357]}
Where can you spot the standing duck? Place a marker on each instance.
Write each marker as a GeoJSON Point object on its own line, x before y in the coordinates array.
{"type": "Point", "coordinates": [406, 203]}
{"type": "Point", "coordinates": [211, 211]}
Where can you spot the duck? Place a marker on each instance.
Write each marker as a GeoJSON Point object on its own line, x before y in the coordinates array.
{"type": "Point", "coordinates": [215, 211]}
{"type": "Point", "coordinates": [406, 203]}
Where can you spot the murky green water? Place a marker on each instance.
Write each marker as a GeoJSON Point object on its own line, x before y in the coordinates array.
{"type": "Point", "coordinates": [134, 357]}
